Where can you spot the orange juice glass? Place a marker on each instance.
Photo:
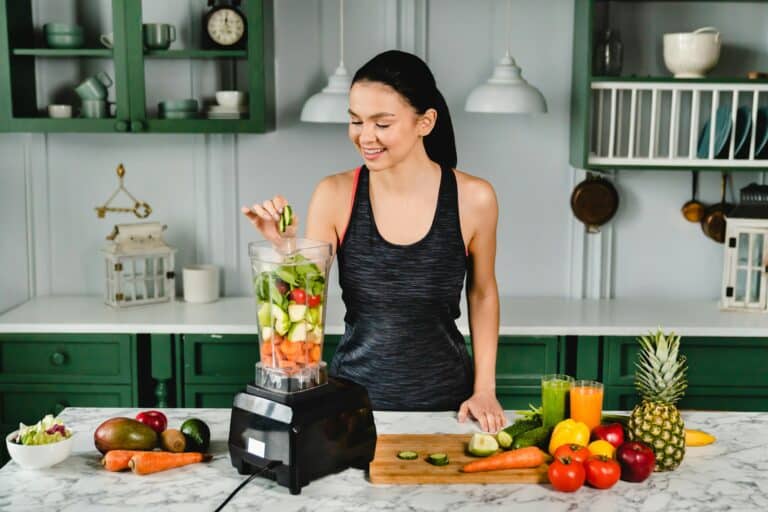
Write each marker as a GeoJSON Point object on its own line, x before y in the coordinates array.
{"type": "Point", "coordinates": [587, 402]}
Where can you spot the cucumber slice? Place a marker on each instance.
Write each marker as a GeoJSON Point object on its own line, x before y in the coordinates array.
{"type": "Point", "coordinates": [407, 455]}
{"type": "Point", "coordinates": [286, 218]}
{"type": "Point", "coordinates": [281, 224]}
{"type": "Point", "coordinates": [504, 439]}
{"type": "Point", "coordinates": [438, 459]}
{"type": "Point", "coordinates": [482, 445]}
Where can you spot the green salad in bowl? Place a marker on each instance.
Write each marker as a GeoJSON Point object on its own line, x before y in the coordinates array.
{"type": "Point", "coordinates": [41, 445]}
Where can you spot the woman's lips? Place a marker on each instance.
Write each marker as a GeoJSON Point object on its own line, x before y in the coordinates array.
{"type": "Point", "coordinates": [373, 154]}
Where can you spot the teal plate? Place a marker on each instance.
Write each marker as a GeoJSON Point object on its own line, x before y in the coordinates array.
{"type": "Point", "coordinates": [761, 133]}
{"type": "Point", "coordinates": [723, 130]}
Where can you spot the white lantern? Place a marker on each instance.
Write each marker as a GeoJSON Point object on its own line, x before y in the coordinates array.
{"type": "Point", "coordinates": [745, 265]}
{"type": "Point", "coordinates": [139, 265]}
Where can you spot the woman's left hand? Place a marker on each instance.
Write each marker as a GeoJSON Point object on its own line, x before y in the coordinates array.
{"type": "Point", "coordinates": [486, 409]}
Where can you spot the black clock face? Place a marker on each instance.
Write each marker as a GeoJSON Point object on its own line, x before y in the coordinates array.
{"type": "Point", "coordinates": [225, 27]}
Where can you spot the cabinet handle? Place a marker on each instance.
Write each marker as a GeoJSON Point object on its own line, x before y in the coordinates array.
{"type": "Point", "coordinates": [58, 358]}
{"type": "Point", "coordinates": [121, 126]}
{"type": "Point", "coordinates": [137, 126]}
{"type": "Point", "coordinates": [58, 407]}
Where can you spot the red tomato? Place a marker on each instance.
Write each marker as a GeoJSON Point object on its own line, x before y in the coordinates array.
{"type": "Point", "coordinates": [601, 471]}
{"type": "Point", "coordinates": [314, 300]}
{"type": "Point", "coordinates": [565, 474]}
{"type": "Point", "coordinates": [299, 296]}
{"type": "Point", "coordinates": [575, 451]}
{"type": "Point", "coordinates": [153, 419]}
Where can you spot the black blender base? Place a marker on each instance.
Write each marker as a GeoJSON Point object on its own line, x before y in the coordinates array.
{"type": "Point", "coordinates": [279, 473]}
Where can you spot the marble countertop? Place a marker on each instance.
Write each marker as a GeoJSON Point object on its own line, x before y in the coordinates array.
{"type": "Point", "coordinates": [518, 316]}
{"type": "Point", "coordinates": [731, 474]}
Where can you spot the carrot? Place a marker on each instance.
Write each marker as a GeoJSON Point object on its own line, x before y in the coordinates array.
{"type": "Point", "coordinates": [117, 460]}
{"type": "Point", "coordinates": [530, 457]}
{"type": "Point", "coordinates": [144, 463]}
{"type": "Point", "coordinates": [315, 354]}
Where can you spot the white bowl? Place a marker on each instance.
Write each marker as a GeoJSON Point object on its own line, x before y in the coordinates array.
{"type": "Point", "coordinates": [60, 111]}
{"type": "Point", "coordinates": [230, 98]}
{"type": "Point", "coordinates": [692, 54]}
{"type": "Point", "coordinates": [38, 456]}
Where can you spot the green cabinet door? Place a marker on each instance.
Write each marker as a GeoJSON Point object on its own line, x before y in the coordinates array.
{"type": "Point", "coordinates": [723, 373]}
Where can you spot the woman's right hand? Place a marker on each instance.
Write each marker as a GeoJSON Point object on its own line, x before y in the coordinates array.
{"type": "Point", "coordinates": [265, 216]}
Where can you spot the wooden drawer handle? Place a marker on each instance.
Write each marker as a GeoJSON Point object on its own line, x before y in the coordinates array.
{"type": "Point", "coordinates": [58, 358]}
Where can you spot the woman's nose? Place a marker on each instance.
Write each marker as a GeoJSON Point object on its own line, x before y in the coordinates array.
{"type": "Point", "coordinates": [368, 133]}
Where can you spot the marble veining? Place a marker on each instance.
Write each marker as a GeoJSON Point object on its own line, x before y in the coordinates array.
{"type": "Point", "coordinates": [731, 474]}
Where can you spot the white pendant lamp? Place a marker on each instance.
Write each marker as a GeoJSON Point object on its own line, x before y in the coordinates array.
{"type": "Point", "coordinates": [331, 105]}
{"type": "Point", "coordinates": [506, 92]}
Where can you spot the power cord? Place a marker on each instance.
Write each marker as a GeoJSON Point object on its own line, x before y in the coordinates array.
{"type": "Point", "coordinates": [244, 482]}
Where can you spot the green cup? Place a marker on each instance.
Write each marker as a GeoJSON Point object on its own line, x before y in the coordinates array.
{"type": "Point", "coordinates": [94, 109]}
{"type": "Point", "coordinates": [158, 36]}
{"type": "Point", "coordinates": [554, 398]}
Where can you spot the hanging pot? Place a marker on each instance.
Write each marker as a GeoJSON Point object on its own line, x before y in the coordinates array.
{"type": "Point", "coordinates": [713, 221]}
{"type": "Point", "coordinates": [693, 210]}
{"type": "Point", "coordinates": [594, 202]}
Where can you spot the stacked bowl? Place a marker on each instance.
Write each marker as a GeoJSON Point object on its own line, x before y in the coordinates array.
{"type": "Point", "coordinates": [178, 109]}
{"type": "Point", "coordinates": [63, 35]}
{"type": "Point", "coordinates": [231, 105]}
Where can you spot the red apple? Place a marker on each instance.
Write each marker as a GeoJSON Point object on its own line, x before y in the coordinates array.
{"type": "Point", "coordinates": [613, 433]}
{"type": "Point", "coordinates": [637, 461]}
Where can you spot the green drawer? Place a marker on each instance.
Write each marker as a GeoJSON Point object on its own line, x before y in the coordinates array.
{"type": "Point", "coordinates": [211, 395]}
{"type": "Point", "coordinates": [699, 398]}
{"type": "Point", "coordinates": [745, 358]}
{"type": "Point", "coordinates": [30, 402]}
{"type": "Point", "coordinates": [522, 360]}
{"type": "Point", "coordinates": [227, 358]}
{"type": "Point", "coordinates": [67, 358]}
{"type": "Point", "coordinates": [518, 397]}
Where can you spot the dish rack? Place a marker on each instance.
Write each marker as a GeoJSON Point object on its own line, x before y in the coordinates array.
{"type": "Point", "coordinates": [669, 124]}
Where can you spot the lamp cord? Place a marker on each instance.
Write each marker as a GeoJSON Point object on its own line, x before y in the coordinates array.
{"type": "Point", "coordinates": [509, 26]}
{"type": "Point", "coordinates": [341, 33]}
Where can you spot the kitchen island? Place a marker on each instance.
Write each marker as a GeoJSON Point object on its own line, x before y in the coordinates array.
{"type": "Point", "coordinates": [731, 474]}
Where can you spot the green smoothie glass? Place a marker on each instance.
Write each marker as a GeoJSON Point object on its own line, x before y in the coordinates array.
{"type": "Point", "coordinates": [554, 398]}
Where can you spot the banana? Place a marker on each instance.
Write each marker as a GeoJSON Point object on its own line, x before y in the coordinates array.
{"type": "Point", "coordinates": [698, 438]}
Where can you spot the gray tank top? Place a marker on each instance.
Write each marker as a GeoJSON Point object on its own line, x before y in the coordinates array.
{"type": "Point", "coordinates": [400, 339]}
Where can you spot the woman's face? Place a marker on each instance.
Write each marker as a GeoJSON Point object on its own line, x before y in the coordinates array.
{"type": "Point", "coordinates": [383, 126]}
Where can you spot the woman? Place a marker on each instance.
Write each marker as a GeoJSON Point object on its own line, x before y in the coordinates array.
{"type": "Point", "coordinates": [406, 228]}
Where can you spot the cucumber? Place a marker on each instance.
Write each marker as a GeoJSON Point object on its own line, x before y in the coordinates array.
{"type": "Point", "coordinates": [286, 218]}
{"type": "Point", "coordinates": [520, 426]}
{"type": "Point", "coordinates": [538, 436]}
{"type": "Point", "coordinates": [281, 224]}
{"type": "Point", "coordinates": [407, 455]}
{"type": "Point", "coordinates": [504, 439]}
{"type": "Point", "coordinates": [438, 459]}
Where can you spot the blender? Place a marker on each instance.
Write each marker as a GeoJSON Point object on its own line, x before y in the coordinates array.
{"type": "Point", "coordinates": [294, 423]}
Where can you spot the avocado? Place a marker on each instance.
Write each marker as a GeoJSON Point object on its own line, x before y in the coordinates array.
{"type": "Point", "coordinates": [124, 434]}
{"type": "Point", "coordinates": [197, 434]}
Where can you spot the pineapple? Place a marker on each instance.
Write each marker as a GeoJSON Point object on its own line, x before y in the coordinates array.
{"type": "Point", "coordinates": [661, 381]}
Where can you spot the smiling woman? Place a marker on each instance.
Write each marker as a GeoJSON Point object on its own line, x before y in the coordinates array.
{"type": "Point", "coordinates": [408, 229]}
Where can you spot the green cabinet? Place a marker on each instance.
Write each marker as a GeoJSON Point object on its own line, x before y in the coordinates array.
{"type": "Point", "coordinates": [250, 69]}
{"type": "Point", "coordinates": [723, 373]}
{"type": "Point", "coordinates": [44, 373]}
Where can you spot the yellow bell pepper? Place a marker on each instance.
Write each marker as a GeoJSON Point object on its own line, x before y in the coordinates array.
{"type": "Point", "coordinates": [568, 432]}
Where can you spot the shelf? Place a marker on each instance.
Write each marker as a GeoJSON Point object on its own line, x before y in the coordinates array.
{"type": "Point", "coordinates": [195, 54]}
{"type": "Point", "coordinates": [103, 53]}
{"type": "Point", "coordinates": [74, 124]}
{"type": "Point", "coordinates": [671, 79]}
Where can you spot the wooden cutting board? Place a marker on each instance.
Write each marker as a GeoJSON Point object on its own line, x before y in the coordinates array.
{"type": "Point", "coordinates": [386, 468]}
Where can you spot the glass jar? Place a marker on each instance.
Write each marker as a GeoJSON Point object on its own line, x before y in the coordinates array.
{"type": "Point", "coordinates": [609, 54]}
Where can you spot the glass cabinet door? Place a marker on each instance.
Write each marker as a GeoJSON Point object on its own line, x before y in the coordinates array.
{"type": "Point", "coordinates": [748, 276]}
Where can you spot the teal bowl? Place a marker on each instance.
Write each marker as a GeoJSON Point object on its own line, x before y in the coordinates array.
{"type": "Point", "coordinates": [62, 28]}
{"type": "Point", "coordinates": [178, 115]}
{"type": "Point", "coordinates": [187, 105]}
{"type": "Point", "coordinates": [64, 40]}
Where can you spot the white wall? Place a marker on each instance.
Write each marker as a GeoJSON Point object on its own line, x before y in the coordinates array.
{"type": "Point", "coordinates": [196, 183]}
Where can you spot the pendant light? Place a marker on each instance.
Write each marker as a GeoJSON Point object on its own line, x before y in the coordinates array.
{"type": "Point", "coordinates": [331, 105]}
{"type": "Point", "coordinates": [506, 92]}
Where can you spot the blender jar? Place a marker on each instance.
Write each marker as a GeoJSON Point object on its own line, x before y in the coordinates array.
{"type": "Point", "coordinates": [290, 286]}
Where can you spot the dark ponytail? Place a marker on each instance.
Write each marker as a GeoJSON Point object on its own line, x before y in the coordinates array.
{"type": "Point", "coordinates": [411, 78]}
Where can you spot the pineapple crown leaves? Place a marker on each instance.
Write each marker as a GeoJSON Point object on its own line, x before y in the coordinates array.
{"type": "Point", "coordinates": [661, 370]}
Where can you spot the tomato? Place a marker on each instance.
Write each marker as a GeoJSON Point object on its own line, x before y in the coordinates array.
{"type": "Point", "coordinates": [565, 474]}
{"type": "Point", "coordinates": [575, 451]}
{"type": "Point", "coordinates": [299, 296]}
{"type": "Point", "coordinates": [153, 419]}
{"type": "Point", "coordinates": [602, 472]}
{"type": "Point", "coordinates": [314, 300]}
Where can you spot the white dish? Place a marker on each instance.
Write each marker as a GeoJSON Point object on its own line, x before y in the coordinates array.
{"type": "Point", "coordinates": [227, 116]}
{"type": "Point", "coordinates": [231, 98]}
{"type": "Point", "coordinates": [219, 109]}
{"type": "Point", "coordinates": [38, 456]}
{"type": "Point", "coordinates": [692, 54]}
{"type": "Point", "coordinates": [60, 111]}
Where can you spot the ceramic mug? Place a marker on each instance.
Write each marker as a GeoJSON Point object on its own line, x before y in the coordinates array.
{"type": "Point", "coordinates": [201, 283]}
{"type": "Point", "coordinates": [94, 109]}
{"type": "Point", "coordinates": [95, 87]}
{"type": "Point", "coordinates": [107, 40]}
{"type": "Point", "coordinates": [158, 36]}
{"type": "Point", "coordinates": [60, 111]}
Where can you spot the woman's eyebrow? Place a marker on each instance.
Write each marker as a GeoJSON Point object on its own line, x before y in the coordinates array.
{"type": "Point", "coordinates": [374, 116]}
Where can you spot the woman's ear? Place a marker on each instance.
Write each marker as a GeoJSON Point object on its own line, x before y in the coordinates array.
{"type": "Point", "coordinates": [427, 122]}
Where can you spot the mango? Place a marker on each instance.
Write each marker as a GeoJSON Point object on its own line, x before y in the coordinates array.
{"type": "Point", "coordinates": [124, 434]}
